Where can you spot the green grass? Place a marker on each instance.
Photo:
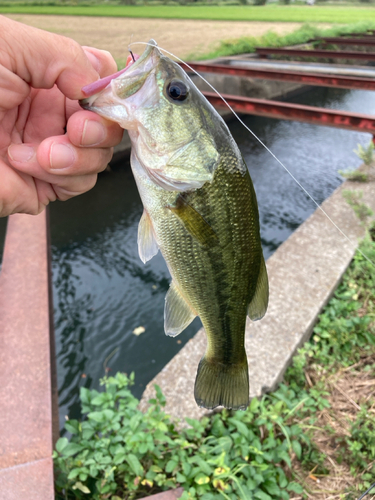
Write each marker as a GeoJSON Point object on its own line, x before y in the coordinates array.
{"type": "Point", "coordinates": [272, 13]}
{"type": "Point", "coordinates": [301, 35]}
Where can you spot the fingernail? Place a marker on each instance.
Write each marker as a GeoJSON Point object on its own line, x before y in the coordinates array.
{"type": "Point", "coordinates": [95, 62]}
{"type": "Point", "coordinates": [61, 156]}
{"type": "Point", "coordinates": [21, 152]}
{"type": "Point", "coordinates": [106, 54]}
{"type": "Point", "coordinates": [93, 133]}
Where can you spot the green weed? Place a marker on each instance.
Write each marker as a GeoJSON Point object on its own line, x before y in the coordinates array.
{"type": "Point", "coordinates": [118, 450]}
{"type": "Point", "coordinates": [366, 154]}
{"type": "Point", "coordinates": [304, 34]}
{"type": "Point", "coordinates": [358, 449]}
{"type": "Point", "coordinates": [361, 210]}
{"type": "Point", "coordinates": [355, 175]}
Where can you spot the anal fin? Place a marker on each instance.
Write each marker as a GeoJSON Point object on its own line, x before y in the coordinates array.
{"type": "Point", "coordinates": [147, 246]}
{"type": "Point", "coordinates": [258, 305]}
{"type": "Point", "coordinates": [178, 314]}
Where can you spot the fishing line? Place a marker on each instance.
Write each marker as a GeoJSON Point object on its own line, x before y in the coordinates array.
{"type": "Point", "coordinates": [262, 144]}
{"type": "Point", "coordinates": [108, 358]}
{"type": "Point", "coordinates": [367, 492]}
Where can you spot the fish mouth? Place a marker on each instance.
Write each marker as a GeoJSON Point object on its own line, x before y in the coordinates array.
{"type": "Point", "coordinates": [123, 83]}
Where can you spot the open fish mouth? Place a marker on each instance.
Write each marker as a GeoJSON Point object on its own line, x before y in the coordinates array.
{"type": "Point", "coordinates": [127, 81]}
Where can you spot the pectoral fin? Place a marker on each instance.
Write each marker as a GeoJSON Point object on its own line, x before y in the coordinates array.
{"type": "Point", "coordinates": [258, 306]}
{"type": "Point", "coordinates": [147, 246]}
{"type": "Point", "coordinates": [178, 314]}
{"type": "Point", "coordinates": [194, 223]}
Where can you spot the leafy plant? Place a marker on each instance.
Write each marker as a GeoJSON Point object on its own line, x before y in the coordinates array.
{"type": "Point", "coordinates": [365, 153]}
{"type": "Point", "coordinates": [117, 451]}
{"type": "Point", "coordinates": [355, 175]}
{"type": "Point", "coordinates": [359, 447]}
{"type": "Point", "coordinates": [361, 210]}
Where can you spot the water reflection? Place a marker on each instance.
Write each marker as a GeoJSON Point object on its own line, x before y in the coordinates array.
{"type": "Point", "coordinates": [102, 291]}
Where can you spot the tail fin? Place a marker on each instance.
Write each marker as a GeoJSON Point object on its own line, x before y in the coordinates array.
{"type": "Point", "coordinates": [222, 385]}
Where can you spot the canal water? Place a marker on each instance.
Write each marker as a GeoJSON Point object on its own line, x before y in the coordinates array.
{"type": "Point", "coordinates": [103, 292]}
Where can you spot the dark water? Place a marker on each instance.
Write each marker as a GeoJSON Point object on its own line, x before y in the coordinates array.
{"type": "Point", "coordinates": [102, 291]}
{"type": "Point", "coordinates": [3, 226]}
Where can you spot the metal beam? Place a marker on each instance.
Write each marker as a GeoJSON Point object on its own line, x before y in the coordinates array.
{"type": "Point", "coordinates": [338, 81]}
{"type": "Point", "coordinates": [297, 112]}
{"type": "Point", "coordinates": [368, 33]}
{"type": "Point", "coordinates": [331, 54]}
{"type": "Point", "coordinates": [365, 42]}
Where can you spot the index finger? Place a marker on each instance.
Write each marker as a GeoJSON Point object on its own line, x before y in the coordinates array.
{"type": "Point", "coordinates": [43, 59]}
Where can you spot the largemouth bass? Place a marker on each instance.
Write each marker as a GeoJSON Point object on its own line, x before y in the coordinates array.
{"type": "Point", "coordinates": [200, 210]}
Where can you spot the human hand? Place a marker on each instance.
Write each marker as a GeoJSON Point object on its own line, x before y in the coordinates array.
{"type": "Point", "coordinates": [49, 147]}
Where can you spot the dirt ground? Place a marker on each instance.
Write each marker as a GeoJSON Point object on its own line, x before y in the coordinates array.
{"type": "Point", "coordinates": [182, 37]}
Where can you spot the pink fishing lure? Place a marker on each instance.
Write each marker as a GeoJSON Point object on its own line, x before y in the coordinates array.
{"type": "Point", "coordinates": [95, 87]}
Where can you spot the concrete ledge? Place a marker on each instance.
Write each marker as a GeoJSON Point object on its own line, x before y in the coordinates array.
{"type": "Point", "coordinates": [26, 417]}
{"type": "Point", "coordinates": [31, 481]}
{"type": "Point", "coordinates": [304, 273]}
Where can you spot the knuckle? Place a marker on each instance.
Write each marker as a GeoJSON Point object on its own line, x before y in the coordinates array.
{"type": "Point", "coordinates": [107, 157]}
{"type": "Point", "coordinates": [84, 184]}
{"type": "Point", "coordinates": [38, 209]}
{"type": "Point", "coordinates": [73, 49]}
{"type": "Point", "coordinates": [92, 161]}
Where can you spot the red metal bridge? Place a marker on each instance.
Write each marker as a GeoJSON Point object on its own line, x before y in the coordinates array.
{"type": "Point", "coordinates": [330, 76]}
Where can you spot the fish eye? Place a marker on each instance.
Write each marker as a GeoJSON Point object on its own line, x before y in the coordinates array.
{"type": "Point", "coordinates": [177, 90]}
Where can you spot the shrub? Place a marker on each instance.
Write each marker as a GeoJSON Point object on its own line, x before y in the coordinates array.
{"type": "Point", "coordinates": [119, 452]}
{"type": "Point", "coordinates": [366, 154]}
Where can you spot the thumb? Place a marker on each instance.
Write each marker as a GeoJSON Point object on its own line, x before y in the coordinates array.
{"type": "Point", "coordinates": [101, 60]}
{"type": "Point", "coordinates": [43, 59]}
